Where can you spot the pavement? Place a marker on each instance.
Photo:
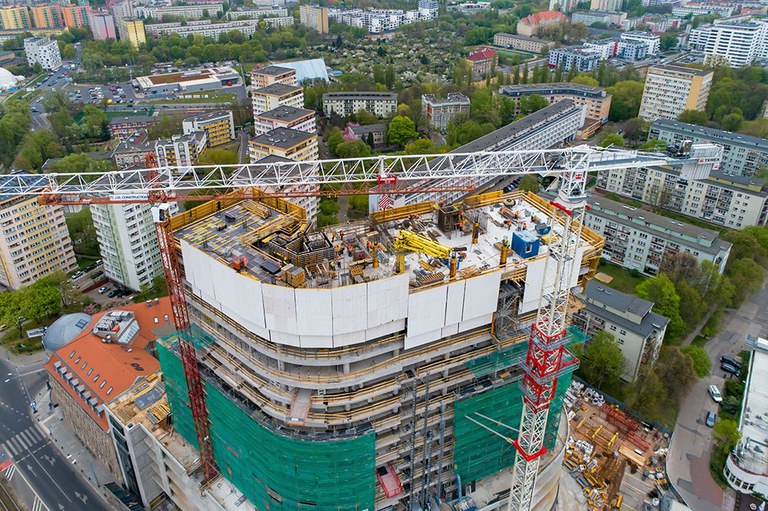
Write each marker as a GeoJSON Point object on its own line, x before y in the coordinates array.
{"type": "Point", "coordinates": [688, 458]}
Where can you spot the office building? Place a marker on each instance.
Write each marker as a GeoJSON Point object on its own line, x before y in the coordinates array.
{"type": "Point", "coordinates": [15, 18]}
{"type": "Point", "coordinates": [245, 13]}
{"type": "Point", "coordinates": [636, 239]}
{"type": "Point", "coordinates": [264, 76]}
{"type": "Point", "coordinates": [43, 51]}
{"type": "Point", "coordinates": [46, 16]}
{"type": "Point", "coordinates": [743, 155]}
{"type": "Point", "coordinates": [299, 119]}
{"type": "Point", "coordinates": [652, 41]}
{"type": "Point", "coordinates": [34, 241]}
{"type": "Point", "coordinates": [578, 58]}
{"type": "Point", "coordinates": [286, 143]}
{"type": "Point", "coordinates": [728, 201]}
{"type": "Point", "coordinates": [595, 100]}
{"type": "Point", "coordinates": [441, 111]}
{"type": "Point", "coordinates": [132, 30]}
{"type": "Point", "coordinates": [736, 43]}
{"type": "Point", "coordinates": [672, 89]}
{"type": "Point", "coordinates": [219, 127]}
{"type": "Point", "coordinates": [181, 151]}
{"type": "Point", "coordinates": [605, 5]}
{"type": "Point", "coordinates": [188, 12]}
{"type": "Point", "coordinates": [589, 18]}
{"type": "Point", "coordinates": [315, 18]}
{"type": "Point", "coordinates": [272, 96]}
{"type": "Point", "coordinates": [638, 330]}
{"type": "Point", "coordinates": [522, 43]}
{"type": "Point", "coordinates": [107, 355]}
{"type": "Point", "coordinates": [344, 104]}
{"type": "Point", "coordinates": [76, 16]}
{"type": "Point", "coordinates": [746, 468]}
{"type": "Point", "coordinates": [102, 26]}
{"type": "Point", "coordinates": [193, 80]}
{"type": "Point", "coordinates": [529, 26]}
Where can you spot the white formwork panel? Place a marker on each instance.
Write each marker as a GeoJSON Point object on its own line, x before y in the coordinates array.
{"type": "Point", "coordinates": [481, 296]}
{"type": "Point", "coordinates": [426, 311]}
{"type": "Point", "coordinates": [387, 300]}
{"type": "Point", "coordinates": [450, 330]}
{"type": "Point", "coordinates": [420, 340]}
{"type": "Point", "coordinates": [576, 268]}
{"type": "Point", "coordinates": [316, 341]}
{"type": "Point", "coordinates": [197, 266]}
{"type": "Point", "coordinates": [534, 280]}
{"type": "Point", "coordinates": [280, 309]}
{"type": "Point", "coordinates": [314, 315]}
{"type": "Point", "coordinates": [475, 322]}
{"type": "Point", "coordinates": [341, 340]}
{"type": "Point", "coordinates": [385, 329]}
{"type": "Point", "coordinates": [245, 322]}
{"type": "Point", "coordinates": [285, 338]}
{"type": "Point", "coordinates": [247, 299]}
{"type": "Point", "coordinates": [454, 306]}
{"type": "Point", "coordinates": [350, 309]}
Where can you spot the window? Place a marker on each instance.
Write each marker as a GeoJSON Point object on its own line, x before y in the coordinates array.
{"type": "Point", "coordinates": [104, 382]}
{"type": "Point", "coordinates": [90, 371]}
{"type": "Point", "coordinates": [77, 360]}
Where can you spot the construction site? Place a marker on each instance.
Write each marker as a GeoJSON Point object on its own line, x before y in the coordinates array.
{"type": "Point", "coordinates": [368, 366]}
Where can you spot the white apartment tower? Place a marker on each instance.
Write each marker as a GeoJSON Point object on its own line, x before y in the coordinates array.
{"type": "Point", "coordinates": [670, 90]}
{"type": "Point", "coordinates": [43, 51]}
{"type": "Point", "coordinates": [736, 44]}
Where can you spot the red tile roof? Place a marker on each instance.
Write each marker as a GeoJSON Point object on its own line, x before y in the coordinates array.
{"type": "Point", "coordinates": [538, 17]}
{"type": "Point", "coordinates": [108, 369]}
{"type": "Point", "coordinates": [484, 54]}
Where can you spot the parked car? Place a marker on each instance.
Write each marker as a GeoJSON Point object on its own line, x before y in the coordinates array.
{"type": "Point", "coordinates": [113, 293]}
{"type": "Point", "coordinates": [728, 368]}
{"type": "Point", "coordinates": [103, 289]}
{"type": "Point", "coordinates": [715, 393]}
{"type": "Point", "coordinates": [710, 419]}
{"type": "Point", "coordinates": [727, 359]}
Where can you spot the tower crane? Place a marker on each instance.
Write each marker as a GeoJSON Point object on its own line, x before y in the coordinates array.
{"type": "Point", "coordinates": [547, 356]}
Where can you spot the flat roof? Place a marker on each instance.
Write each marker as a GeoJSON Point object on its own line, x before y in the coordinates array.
{"type": "Point", "coordinates": [284, 138]}
{"type": "Point", "coordinates": [752, 452]}
{"type": "Point", "coordinates": [725, 137]}
{"type": "Point", "coordinates": [681, 69]}
{"type": "Point", "coordinates": [273, 70]}
{"type": "Point", "coordinates": [360, 95]}
{"type": "Point", "coordinates": [286, 114]}
{"type": "Point", "coordinates": [523, 38]}
{"type": "Point", "coordinates": [552, 88]}
{"type": "Point", "coordinates": [276, 89]}
{"type": "Point", "coordinates": [207, 116]}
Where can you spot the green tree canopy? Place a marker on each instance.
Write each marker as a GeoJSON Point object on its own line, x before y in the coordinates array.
{"type": "Point", "coordinates": [661, 291]}
{"type": "Point", "coordinates": [626, 100]}
{"type": "Point", "coordinates": [694, 117]}
{"type": "Point", "coordinates": [218, 157]}
{"type": "Point", "coordinates": [529, 183]}
{"type": "Point", "coordinates": [402, 130]}
{"type": "Point", "coordinates": [612, 139]}
{"type": "Point", "coordinates": [585, 79]}
{"type": "Point", "coordinates": [702, 364]}
{"type": "Point", "coordinates": [602, 362]}
{"type": "Point", "coordinates": [353, 149]}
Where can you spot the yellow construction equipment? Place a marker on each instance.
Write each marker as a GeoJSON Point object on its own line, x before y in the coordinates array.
{"type": "Point", "coordinates": [409, 241]}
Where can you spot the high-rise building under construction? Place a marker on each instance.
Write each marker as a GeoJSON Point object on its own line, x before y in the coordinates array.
{"type": "Point", "coordinates": [373, 364]}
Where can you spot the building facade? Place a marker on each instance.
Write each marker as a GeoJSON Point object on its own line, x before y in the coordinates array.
{"type": "Point", "coordinates": [344, 104]}
{"type": "Point", "coordinates": [34, 241]}
{"type": "Point", "coordinates": [286, 143]}
{"type": "Point", "coordinates": [522, 43]}
{"type": "Point", "coordinates": [181, 151]}
{"type": "Point", "coordinates": [219, 127]}
{"type": "Point", "coordinates": [589, 18]}
{"type": "Point", "coordinates": [242, 13]}
{"type": "Point", "coordinates": [651, 41]}
{"type": "Point", "coordinates": [103, 26]}
{"type": "Point", "coordinates": [272, 96]}
{"type": "Point", "coordinates": [15, 18]}
{"type": "Point", "coordinates": [76, 16]}
{"type": "Point", "coordinates": [743, 155]}
{"type": "Point", "coordinates": [605, 5]}
{"type": "Point", "coordinates": [122, 128]}
{"type": "Point", "coordinates": [265, 76]}
{"type": "Point", "coordinates": [670, 90]}
{"type": "Point", "coordinates": [299, 119]}
{"type": "Point", "coordinates": [315, 18]}
{"type": "Point", "coordinates": [578, 58]}
{"type": "Point", "coordinates": [43, 51]}
{"type": "Point", "coordinates": [595, 100]}
{"type": "Point", "coordinates": [736, 43]}
{"type": "Point", "coordinates": [481, 62]}
{"type": "Point", "coordinates": [529, 26]}
{"type": "Point", "coordinates": [132, 31]}
{"type": "Point", "coordinates": [441, 111]}
{"type": "Point", "coordinates": [46, 16]}
{"type": "Point", "coordinates": [189, 12]}
{"type": "Point", "coordinates": [639, 240]}
{"type": "Point", "coordinates": [638, 330]}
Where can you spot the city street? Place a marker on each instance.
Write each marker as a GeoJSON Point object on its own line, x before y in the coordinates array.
{"type": "Point", "coordinates": [688, 459]}
{"type": "Point", "coordinates": [40, 473]}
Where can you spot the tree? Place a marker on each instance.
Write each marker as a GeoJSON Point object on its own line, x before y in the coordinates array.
{"type": "Point", "coordinates": [401, 130]}
{"type": "Point", "coordinates": [667, 41]}
{"type": "Point", "coordinates": [732, 122]}
{"type": "Point", "coordinates": [353, 149]}
{"type": "Point", "coordinates": [612, 139]}
{"type": "Point", "coordinates": [635, 129]}
{"type": "Point", "coordinates": [41, 299]}
{"type": "Point", "coordinates": [702, 364]}
{"type": "Point", "coordinates": [694, 117]}
{"type": "Point", "coordinates": [165, 126]}
{"type": "Point", "coordinates": [675, 370]}
{"type": "Point", "coordinates": [661, 291]}
{"type": "Point", "coordinates": [420, 146]}
{"type": "Point", "coordinates": [756, 128]}
{"type": "Point", "coordinates": [358, 206]}
{"type": "Point", "coordinates": [529, 183]}
{"type": "Point", "coordinates": [218, 157]}
{"type": "Point", "coordinates": [334, 139]}
{"type": "Point", "coordinates": [602, 362]}
{"type": "Point", "coordinates": [654, 146]}
{"type": "Point", "coordinates": [692, 305]}
{"type": "Point", "coordinates": [532, 103]}
{"type": "Point", "coordinates": [83, 233]}
{"type": "Point", "coordinates": [647, 394]}
{"type": "Point", "coordinates": [585, 79]}
{"type": "Point", "coordinates": [726, 433]}
{"type": "Point", "coordinates": [747, 277]}
{"type": "Point", "coordinates": [626, 100]}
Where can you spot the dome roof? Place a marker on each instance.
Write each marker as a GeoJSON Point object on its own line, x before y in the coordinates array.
{"type": "Point", "coordinates": [7, 79]}
{"type": "Point", "coordinates": [64, 330]}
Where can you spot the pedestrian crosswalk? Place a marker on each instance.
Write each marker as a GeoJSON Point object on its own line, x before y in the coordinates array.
{"type": "Point", "coordinates": [9, 472]}
{"type": "Point", "coordinates": [23, 441]}
{"type": "Point", "coordinates": [38, 504]}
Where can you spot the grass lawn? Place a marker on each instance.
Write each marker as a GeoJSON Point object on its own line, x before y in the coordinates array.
{"type": "Point", "coordinates": [623, 280]}
{"type": "Point", "coordinates": [700, 341]}
{"type": "Point", "coordinates": [205, 98]}
{"type": "Point", "coordinates": [16, 343]}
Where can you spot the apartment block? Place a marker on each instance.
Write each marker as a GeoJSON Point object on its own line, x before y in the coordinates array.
{"type": "Point", "coordinates": [529, 26]}
{"type": "Point", "coordinates": [605, 5]}
{"type": "Point", "coordinates": [286, 143]}
{"type": "Point", "coordinates": [76, 16]}
{"type": "Point", "coordinates": [132, 150]}
{"type": "Point", "coordinates": [219, 127]}
{"type": "Point", "coordinates": [103, 26]}
{"type": "Point", "coordinates": [43, 51]}
{"type": "Point", "coordinates": [375, 133]}
{"type": "Point", "coordinates": [15, 18]}
{"type": "Point", "coordinates": [122, 128]}
{"type": "Point", "coordinates": [728, 201]}
{"type": "Point", "coordinates": [299, 119]}
{"type": "Point", "coordinates": [638, 330]}
{"type": "Point", "coordinates": [276, 95]}
{"type": "Point", "coordinates": [206, 28]}
{"type": "Point", "coordinates": [591, 17]}
{"type": "Point", "coordinates": [189, 12]}
{"type": "Point", "coordinates": [47, 16]}
{"type": "Point", "coordinates": [315, 18]}
{"type": "Point", "coordinates": [671, 89]}
{"type": "Point", "coordinates": [743, 155]}
{"type": "Point", "coordinates": [181, 150]}
{"type": "Point", "coordinates": [441, 111]}
{"type": "Point", "coordinates": [132, 31]}
{"type": "Point", "coordinates": [481, 62]}
{"type": "Point", "coordinates": [34, 241]}
{"type": "Point", "coordinates": [522, 43]}
{"type": "Point", "coordinates": [344, 104]}
{"type": "Point", "coordinates": [269, 75]}
{"type": "Point", "coordinates": [636, 239]}
{"type": "Point", "coordinates": [242, 13]}
{"type": "Point", "coordinates": [573, 57]}
{"type": "Point", "coordinates": [652, 41]}
{"type": "Point", "coordinates": [378, 21]}
{"type": "Point", "coordinates": [736, 43]}
{"type": "Point", "coordinates": [595, 100]}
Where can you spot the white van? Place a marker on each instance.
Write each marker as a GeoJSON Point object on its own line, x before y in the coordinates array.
{"type": "Point", "coordinates": [715, 393]}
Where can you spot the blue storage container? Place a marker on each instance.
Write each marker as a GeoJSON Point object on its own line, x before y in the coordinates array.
{"type": "Point", "coordinates": [525, 244]}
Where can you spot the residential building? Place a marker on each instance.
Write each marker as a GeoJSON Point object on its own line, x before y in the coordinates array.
{"type": "Point", "coordinates": [481, 62]}
{"type": "Point", "coordinates": [43, 51]}
{"type": "Point", "coordinates": [605, 5]}
{"type": "Point", "coordinates": [636, 239]}
{"type": "Point", "coordinates": [219, 127]}
{"type": "Point", "coordinates": [193, 80]}
{"type": "Point", "coordinates": [344, 104]}
{"type": "Point", "coordinates": [652, 41]}
{"type": "Point", "coordinates": [46, 16]}
{"type": "Point", "coordinates": [242, 13]}
{"type": "Point", "coordinates": [743, 155]}
{"type": "Point", "coordinates": [378, 21]}
{"type": "Point", "coordinates": [206, 28]}
{"type": "Point", "coordinates": [75, 16]}
{"type": "Point", "coordinates": [728, 201]}
{"type": "Point", "coordinates": [34, 241]}
{"type": "Point", "coordinates": [132, 31]}
{"type": "Point", "coordinates": [522, 43]}
{"type": "Point", "coordinates": [698, 37]}
{"type": "Point", "coordinates": [702, 9]}
{"type": "Point", "coordinates": [102, 26]}
{"type": "Point", "coordinates": [121, 9]}
{"type": "Point", "coordinates": [565, 6]}
{"type": "Point", "coordinates": [15, 18]}
{"type": "Point", "coordinates": [428, 9]}
{"type": "Point", "coordinates": [272, 96]}
{"type": "Point", "coordinates": [573, 57]}
{"type": "Point", "coordinates": [595, 100]}
{"type": "Point", "coordinates": [589, 18]}
{"type": "Point", "coordinates": [189, 12]}
{"type": "Point", "coordinates": [299, 119]}
{"type": "Point", "coordinates": [132, 150]}
{"type": "Point", "coordinates": [108, 356]}
{"type": "Point", "coordinates": [286, 143]}
{"type": "Point", "coordinates": [746, 468]}
{"type": "Point", "coordinates": [638, 330]}
{"type": "Point", "coordinates": [632, 50]}
{"type": "Point", "coordinates": [529, 26]}
{"type": "Point", "coordinates": [736, 44]}
{"type": "Point", "coordinates": [605, 48]}
{"type": "Point", "coordinates": [671, 89]}
{"type": "Point", "coordinates": [314, 17]}
{"type": "Point", "coordinates": [441, 111]}
{"type": "Point", "coordinates": [374, 135]}
{"type": "Point", "coordinates": [122, 128]}
{"type": "Point", "coordinates": [181, 151]}
{"type": "Point", "coordinates": [264, 76]}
